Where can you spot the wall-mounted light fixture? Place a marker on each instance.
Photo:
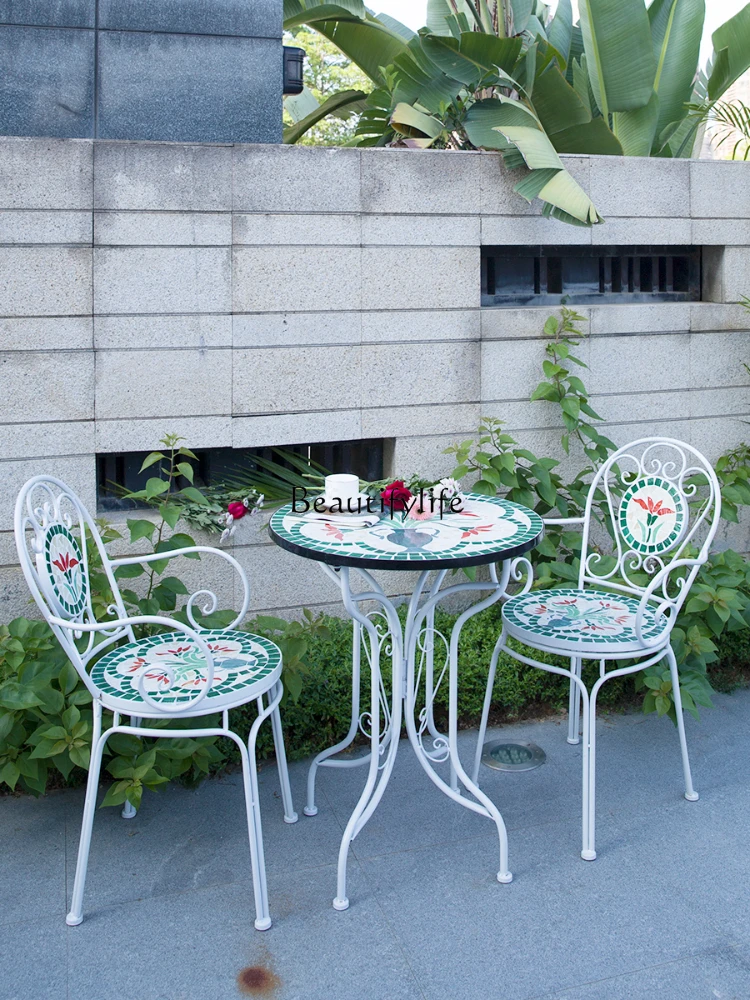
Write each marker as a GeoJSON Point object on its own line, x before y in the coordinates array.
{"type": "Point", "coordinates": [294, 65]}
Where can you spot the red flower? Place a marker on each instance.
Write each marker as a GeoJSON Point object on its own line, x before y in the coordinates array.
{"type": "Point", "coordinates": [331, 529]}
{"type": "Point", "coordinates": [653, 508]}
{"type": "Point", "coordinates": [395, 495]}
{"type": "Point", "coordinates": [475, 531]}
{"type": "Point", "coordinates": [65, 562]}
{"type": "Point", "coordinates": [175, 652]}
{"type": "Point", "coordinates": [237, 509]}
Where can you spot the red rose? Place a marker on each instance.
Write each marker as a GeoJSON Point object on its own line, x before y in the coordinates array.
{"type": "Point", "coordinates": [395, 495]}
{"type": "Point", "coordinates": [237, 509]}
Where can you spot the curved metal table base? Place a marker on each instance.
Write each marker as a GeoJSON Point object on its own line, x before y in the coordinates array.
{"type": "Point", "coordinates": [416, 676]}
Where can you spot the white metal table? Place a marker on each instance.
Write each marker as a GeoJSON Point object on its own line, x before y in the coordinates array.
{"type": "Point", "coordinates": [488, 531]}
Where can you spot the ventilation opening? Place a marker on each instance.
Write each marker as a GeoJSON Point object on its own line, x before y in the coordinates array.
{"type": "Point", "coordinates": [121, 471]}
{"type": "Point", "coordinates": [550, 275]}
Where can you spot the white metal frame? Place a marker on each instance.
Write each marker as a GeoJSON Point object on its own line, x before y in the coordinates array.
{"type": "Point", "coordinates": [45, 501]}
{"type": "Point", "coordinates": [416, 677]}
{"type": "Point", "coordinates": [678, 463]}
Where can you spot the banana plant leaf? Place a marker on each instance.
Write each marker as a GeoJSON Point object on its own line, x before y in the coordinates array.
{"type": "Point", "coordinates": [415, 124]}
{"type": "Point", "coordinates": [442, 19]}
{"type": "Point", "coordinates": [731, 53]}
{"type": "Point", "coordinates": [676, 31]}
{"type": "Point", "coordinates": [619, 53]}
{"type": "Point", "coordinates": [560, 30]}
{"type": "Point", "coordinates": [364, 39]}
{"type": "Point", "coordinates": [638, 129]}
{"type": "Point", "coordinates": [354, 100]}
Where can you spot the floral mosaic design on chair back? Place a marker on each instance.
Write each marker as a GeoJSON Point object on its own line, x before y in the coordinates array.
{"type": "Point", "coordinates": [664, 504]}
{"type": "Point", "coordinates": [51, 536]}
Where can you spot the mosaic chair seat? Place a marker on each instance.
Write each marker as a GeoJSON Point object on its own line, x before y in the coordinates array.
{"type": "Point", "coordinates": [663, 503]}
{"type": "Point", "coordinates": [184, 673]}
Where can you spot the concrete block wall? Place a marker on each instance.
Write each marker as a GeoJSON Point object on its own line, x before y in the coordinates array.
{"type": "Point", "coordinates": [247, 296]}
{"type": "Point", "coordinates": [142, 69]}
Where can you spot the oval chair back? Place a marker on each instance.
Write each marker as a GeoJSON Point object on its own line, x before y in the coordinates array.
{"type": "Point", "coordinates": [663, 503]}
{"type": "Point", "coordinates": [54, 536]}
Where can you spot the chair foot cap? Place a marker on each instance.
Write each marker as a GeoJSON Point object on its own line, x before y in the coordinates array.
{"type": "Point", "coordinates": [129, 815]}
{"type": "Point", "coordinates": [504, 877]}
{"type": "Point", "coordinates": [340, 904]}
{"type": "Point", "coordinates": [72, 921]}
{"type": "Point", "coordinates": [574, 742]}
{"type": "Point", "coordinates": [310, 810]}
{"type": "Point", "coordinates": [291, 819]}
{"type": "Point", "coordinates": [692, 796]}
{"type": "Point", "coordinates": [262, 924]}
{"type": "Point", "coordinates": [588, 855]}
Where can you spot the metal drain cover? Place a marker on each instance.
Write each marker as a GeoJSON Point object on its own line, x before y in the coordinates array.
{"type": "Point", "coordinates": [513, 756]}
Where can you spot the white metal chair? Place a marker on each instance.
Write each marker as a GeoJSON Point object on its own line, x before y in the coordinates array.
{"type": "Point", "coordinates": [664, 517]}
{"type": "Point", "coordinates": [187, 672]}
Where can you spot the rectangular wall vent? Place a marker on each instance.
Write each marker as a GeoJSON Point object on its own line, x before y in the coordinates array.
{"type": "Point", "coordinates": [554, 275]}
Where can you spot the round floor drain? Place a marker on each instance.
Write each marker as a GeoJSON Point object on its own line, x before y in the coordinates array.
{"type": "Point", "coordinates": [513, 756]}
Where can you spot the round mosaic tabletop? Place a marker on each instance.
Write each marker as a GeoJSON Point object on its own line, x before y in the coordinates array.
{"type": "Point", "coordinates": [486, 530]}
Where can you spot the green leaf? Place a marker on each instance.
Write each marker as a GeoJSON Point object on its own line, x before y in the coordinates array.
{"type": "Point", "coordinates": [185, 469]}
{"type": "Point", "coordinates": [353, 99]}
{"type": "Point", "coordinates": [731, 53]}
{"type": "Point", "coordinates": [483, 486]}
{"type": "Point", "coordinates": [152, 459]}
{"type": "Point", "coordinates": [140, 528]}
{"type": "Point", "coordinates": [593, 138]}
{"type": "Point", "coordinates": [171, 513]}
{"type": "Point", "coordinates": [195, 495]}
{"type": "Point", "coordinates": [676, 31]}
{"type": "Point", "coordinates": [129, 572]}
{"type": "Point", "coordinates": [619, 53]}
{"type": "Point", "coordinates": [155, 487]}
{"type": "Point", "coordinates": [560, 30]}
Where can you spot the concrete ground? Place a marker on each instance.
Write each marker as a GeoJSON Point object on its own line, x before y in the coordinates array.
{"type": "Point", "coordinates": [664, 912]}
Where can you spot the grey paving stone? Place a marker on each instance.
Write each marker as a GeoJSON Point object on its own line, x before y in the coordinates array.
{"type": "Point", "coordinates": [182, 840]}
{"type": "Point", "coordinates": [32, 884]}
{"type": "Point", "coordinates": [35, 960]}
{"type": "Point", "coordinates": [192, 946]}
{"type": "Point", "coordinates": [722, 974]}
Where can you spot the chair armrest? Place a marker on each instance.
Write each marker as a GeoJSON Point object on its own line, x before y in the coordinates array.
{"type": "Point", "coordinates": [190, 550]}
{"type": "Point", "coordinates": [140, 676]}
{"type": "Point", "coordinates": [664, 601]}
{"type": "Point", "coordinates": [552, 521]}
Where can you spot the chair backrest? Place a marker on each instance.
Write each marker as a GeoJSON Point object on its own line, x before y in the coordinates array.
{"type": "Point", "coordinates": [664, 504]}
{"type": "Point", "coordinates": [53, 547]}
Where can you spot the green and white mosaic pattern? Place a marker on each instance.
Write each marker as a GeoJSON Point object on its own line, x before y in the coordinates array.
{"type": "Point", "coordinates": [653, 516]}
{"type": "Point", "coordinates": [63, 564]}
{"type": "Point", "coordinates": [240, 659]}
{"type": "Point", "coordinates": [486, 526]}
{"type": "Point", "coordinates": [575, 619]}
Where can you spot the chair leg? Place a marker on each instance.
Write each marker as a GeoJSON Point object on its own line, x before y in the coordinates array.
{"type": "Point", "coordinates": [254, 829]}
{"type": "Point", "coordinates": [574, 704]}
{"type": "Point", "coordinates": [588, 850]}
{"type": "Point", "coordinates": [690, 793]}
{"type": "Point", "coordinates": [499, 645]}
{"type": "Point", "coordinates": [75, 915]}
{"type": "Point", "coordinates": [290, 816]}
{"type": "Point", "coordinates": [129, 810]}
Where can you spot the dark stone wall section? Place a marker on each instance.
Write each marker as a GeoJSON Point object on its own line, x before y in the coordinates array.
{"type": "Point", "coordinates": [171, 70]}
{"type": "Point", "coordinates": [47, 82]}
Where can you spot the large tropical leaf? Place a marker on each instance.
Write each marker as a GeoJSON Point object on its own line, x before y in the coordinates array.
{"type": "Point", "coordinates": [594, 138]}
{"type": "Point", "coordinates": [353, 100]}
{"type": "Point", "coordinates": [619, 53]}
{"type": "Point", "coordinates": [637, 129]}
{"type": "Point", "coordinates": [676, 31]}
{"type": "Point", "coordinates": [364, 39]}
{"type": "Point", "coordinates": [560, 30]}
{"type": "Point", "coordinates": [556, 103]}
{"type": "Point", "coordinates": [731, 53]}
{"type": "Point", "coordinates": [443, 19]}
{"type": "Point", "coordinates": [519, 127]}
{"type": "Point", "coordinates": [415, 124]}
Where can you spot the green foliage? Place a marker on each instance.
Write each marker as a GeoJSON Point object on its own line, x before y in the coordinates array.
{"type": "Point", "coordinates": [567, 390]}
{"type": "Point", "coordinates": [511, 77]}
{"type": "Point", "coordinates": [328, 72]}
{"type": "Point", "coordinates": [719, 601]}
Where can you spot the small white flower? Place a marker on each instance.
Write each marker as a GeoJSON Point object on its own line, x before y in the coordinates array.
{"type": "Point", "coordinates": [447, 487]}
